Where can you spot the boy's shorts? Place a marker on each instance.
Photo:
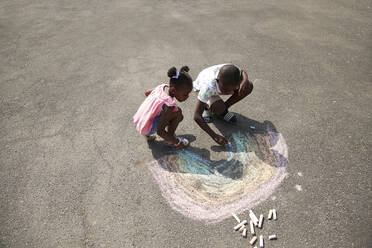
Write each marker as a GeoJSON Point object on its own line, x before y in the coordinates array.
{"type": "Point", "coordinates": [154, 127]}
{"type": "Point", "coordinates": [213, 99]}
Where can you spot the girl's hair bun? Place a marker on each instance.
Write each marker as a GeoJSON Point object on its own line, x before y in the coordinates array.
{"type": "Point", "coordinates": [185, 68]}
{"type": "Point", "coordinates": [172, 72]}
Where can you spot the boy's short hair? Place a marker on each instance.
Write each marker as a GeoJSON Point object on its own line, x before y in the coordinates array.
{"type": "Point", "coordinates": [229, 74]}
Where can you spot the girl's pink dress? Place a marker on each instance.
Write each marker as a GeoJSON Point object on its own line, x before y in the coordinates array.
{"type": "Point", "coordinates": [151, 108]}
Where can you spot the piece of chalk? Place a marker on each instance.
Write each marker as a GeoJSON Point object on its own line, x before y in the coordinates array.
{"type": "Point", "coordinates": [260, 221]}
{"type": "Point", "coordinates": [251, 227]}
{"type": "Point", "coordinates": [261, 241]}
{"type": "Point", "coordinates": [253, 240]}
{"type": "Point", "coordinates": [236, 217]}
{"type": "Point", "coordinates": [237, 227]}
{"type": "Point", "coordinates": [274, 214]}
{"type": "Point", "coordinates": [242, 228]}
{"type": "Point", "coordinates": [244, 234]}
{"type": "Point", "coordinates": [271, 237]}
{"type": "Point", "coordinates": [270, 214]}
{"type": "Point", "coordinates": [253, 217]}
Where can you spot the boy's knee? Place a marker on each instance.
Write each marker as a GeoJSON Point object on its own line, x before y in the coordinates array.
{"type": "Point", "coordinates": [218, 107]}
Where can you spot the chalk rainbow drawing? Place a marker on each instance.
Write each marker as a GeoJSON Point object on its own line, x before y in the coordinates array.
{"type": "Point", "coordinates": [208, 190]}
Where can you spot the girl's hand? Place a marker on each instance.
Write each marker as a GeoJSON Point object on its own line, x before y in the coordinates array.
{"type": "Point", "coordinates": [220, 140]}
{"type": "Point", "coordinates": [147, 93]}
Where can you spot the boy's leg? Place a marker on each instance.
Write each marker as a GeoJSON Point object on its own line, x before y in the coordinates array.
{"type": "Point", "coordinates": [234, 98]}
{"type": "Point", "coordinates": [218, 107]}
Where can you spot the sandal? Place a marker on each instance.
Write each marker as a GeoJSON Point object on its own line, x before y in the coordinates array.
{"type": "Point", "coordinates": [180, 139]}
{"type": "Point", "coordinates": [229, 117]}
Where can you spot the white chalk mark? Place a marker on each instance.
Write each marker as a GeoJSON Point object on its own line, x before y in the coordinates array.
{"type": "Point", "coordinates": [195, 167]}
{"type": "Point", "coordinates": [240, 225]}
{"type": "Point", "coordinates": [261, 241]}
{"type": "Point", "coordinates": [236, 217]}
{"type": "Point", "coordinates": [298, 187]}
{"type": "Point", "coordinates": [270, 216]}
{"type": "Point", "coordinates": [253, 218]}
{"type": "Point", "coordinates": [272, 237]}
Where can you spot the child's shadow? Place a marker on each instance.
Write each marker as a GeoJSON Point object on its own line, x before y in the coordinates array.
{"type": "Point", "coordinates": [197, 161]}
{"type": "Point", "coordinates": [264, 134]}
{"type": "Point", "coordinates": [194, 160]}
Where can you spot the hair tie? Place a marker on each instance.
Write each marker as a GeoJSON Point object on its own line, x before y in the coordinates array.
{"type": "Point", "coordinates": [177, 74]}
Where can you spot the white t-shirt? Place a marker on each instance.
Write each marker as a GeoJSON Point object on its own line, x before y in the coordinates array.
{"type": "Point", "coordinates": [206, 83]}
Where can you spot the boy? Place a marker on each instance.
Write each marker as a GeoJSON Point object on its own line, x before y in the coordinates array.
{"type": "Point", "coordinates": [224, 79]}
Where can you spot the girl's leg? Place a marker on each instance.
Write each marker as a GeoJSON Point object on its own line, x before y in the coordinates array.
{"type": "Point", "coordinates": [176, 118]}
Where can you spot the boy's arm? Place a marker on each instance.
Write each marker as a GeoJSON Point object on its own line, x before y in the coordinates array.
{"type": "Point", "coordinates": [200, 106]}
{"type": "Point", "coordinates": [246, 86]}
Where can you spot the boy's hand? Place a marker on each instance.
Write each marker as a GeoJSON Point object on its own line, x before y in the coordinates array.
{"type": "Point", "coordinates": [220, 140]}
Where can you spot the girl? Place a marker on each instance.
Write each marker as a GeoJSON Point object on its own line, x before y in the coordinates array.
{"type": "Point", "coordinates": [159, 110]}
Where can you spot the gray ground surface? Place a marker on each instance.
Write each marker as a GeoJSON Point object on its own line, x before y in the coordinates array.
{"type": "Point", "coordinates": [73, 169]}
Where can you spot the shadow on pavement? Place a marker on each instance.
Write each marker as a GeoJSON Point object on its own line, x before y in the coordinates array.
{"type": "Point", "coordinates": [253, 136]}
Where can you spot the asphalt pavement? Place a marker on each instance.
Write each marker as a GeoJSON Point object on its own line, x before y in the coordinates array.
{"type": "Point", "coordinates": [73, 169]}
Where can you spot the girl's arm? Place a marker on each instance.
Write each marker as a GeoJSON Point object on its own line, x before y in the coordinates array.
{"type": "Point", "coordinates": [147, 93]}
{"type": "Point", "coordinates": [200, 106]}
{"type": "Point", "coordinates": [165, 117]}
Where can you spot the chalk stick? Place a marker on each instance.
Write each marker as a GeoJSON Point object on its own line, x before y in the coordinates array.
{"type": "Point", "coordinates": [251, 227]}
{"type": "Point", "coordinates": [253, 217]}
{"type": "Point", "coordinates": [270, 214]}
{"type": "Point", "coordinates": [274, 214]}
{"type": "Point", "coordinates": [236, 217]}
{"type": "Point", "coordinates": [244, 234]}
{"type": "Point", "coordinates": [240, 224]}
{"type": "Point", "coordinates": [260, 221]}
{"type": "Point", "coordinates": [241, 228]}
{"type": "Point", "coordinates": [261, 241]}
{"type": "Point", "coordinates": [253, 240]}
{"type": "Point", "coordinates": [271, 237]}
